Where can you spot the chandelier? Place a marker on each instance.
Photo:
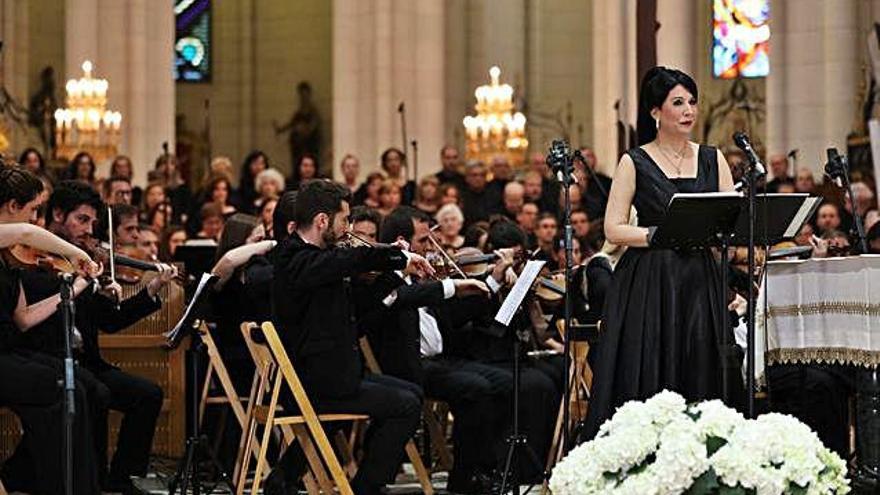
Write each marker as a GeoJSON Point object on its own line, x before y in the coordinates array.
{"type": "Point", "coordinates": [86, 124]}
{"type": "Point", "coordinates": [496, 130]}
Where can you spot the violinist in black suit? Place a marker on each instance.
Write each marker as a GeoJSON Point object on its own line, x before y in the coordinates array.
{"type": "Point", "coordinates": [312, 307]}
{"type": "Point", "coordinates": [416, 323]}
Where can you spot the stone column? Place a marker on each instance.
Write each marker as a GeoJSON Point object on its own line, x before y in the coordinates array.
{"type": "Point", "coordinates": [131, 47]}
{"type": "Point", "coordinates": [676, 37]}
{"type": "Point", "coordinates": [386, 52]}
{"type": "Point", "coordinates": [815, 55]}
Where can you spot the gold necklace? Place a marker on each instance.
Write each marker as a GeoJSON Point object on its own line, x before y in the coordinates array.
{"type": "Point", "coordinates": [680, 156]}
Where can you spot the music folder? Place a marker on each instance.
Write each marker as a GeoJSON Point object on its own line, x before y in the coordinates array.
{"type": "Point", "coordinates": [778, 217]}
{"type": "Point", "coordinates": [695, 220]}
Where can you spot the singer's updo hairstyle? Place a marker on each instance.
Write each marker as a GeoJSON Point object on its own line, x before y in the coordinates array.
{"type": "Point", "coordinates": [656, 85]}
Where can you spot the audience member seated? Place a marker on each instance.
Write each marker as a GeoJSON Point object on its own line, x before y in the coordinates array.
{"type": "Point", "coordinates": [450, 219]}
{"type": "Point", "coordinates": [428, 195]}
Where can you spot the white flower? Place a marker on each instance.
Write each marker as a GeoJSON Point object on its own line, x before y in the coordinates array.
{"type": "Point", "coordinates": [659, 447]}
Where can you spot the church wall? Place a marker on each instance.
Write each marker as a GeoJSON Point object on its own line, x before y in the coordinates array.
{"type": "Point", "coordinates": [262, 50]}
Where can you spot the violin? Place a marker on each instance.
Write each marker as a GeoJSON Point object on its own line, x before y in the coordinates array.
{"type": "Point", "coordinates": [26, 257]}
{"type": "Point", "coordinates": [551, 288]}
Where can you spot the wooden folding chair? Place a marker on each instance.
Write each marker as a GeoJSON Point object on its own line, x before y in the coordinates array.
{"type": "Point", "coordinates": [305, 426]}
{"type": "Point", "coordinates": [264, 373]}
{"type": "Point", "coordinates": [580, 380]}
{"type": "Point", "coordinates": [411, 451]}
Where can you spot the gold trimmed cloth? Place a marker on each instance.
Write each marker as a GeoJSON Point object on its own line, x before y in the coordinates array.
{"type": "Point", "coordinates": [824, 311]}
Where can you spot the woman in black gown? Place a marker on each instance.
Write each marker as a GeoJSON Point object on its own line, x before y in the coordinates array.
{"type": "Point", "coordinates": [662, 323]}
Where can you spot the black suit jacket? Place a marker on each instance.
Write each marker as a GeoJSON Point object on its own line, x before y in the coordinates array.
{"type": "Point", "coordinates": [94, 313]}
{"type": "Point", "coordinates": [312, 307]}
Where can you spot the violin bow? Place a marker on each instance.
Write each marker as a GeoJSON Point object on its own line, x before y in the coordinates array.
{"type": "Point", "coordinates": [110, 232]}
{"type": "Point", "coordinates": [443, 252]}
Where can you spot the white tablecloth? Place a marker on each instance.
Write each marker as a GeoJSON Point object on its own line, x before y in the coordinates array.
{"type": "Point", "coordinates": [822, 311]}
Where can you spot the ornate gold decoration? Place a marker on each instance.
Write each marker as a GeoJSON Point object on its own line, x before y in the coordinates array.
{"type": "Point", "coordinates": [496, 129]}
{"type": "Point", "coordinates": [86, 124]}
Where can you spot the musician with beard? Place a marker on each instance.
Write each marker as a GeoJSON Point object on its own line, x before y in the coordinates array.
{"type": "Point", "coordinates": [411, 330]}
{"type": "Point", "coordinates": [312, 307]}
{"type": "Point", "coordinates": [72, 212]}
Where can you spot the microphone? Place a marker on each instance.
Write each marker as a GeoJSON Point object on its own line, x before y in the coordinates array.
{"type": "Point", "coordinates": [742, 142]}
{"type": "Point", "coordinates": [833, 168]}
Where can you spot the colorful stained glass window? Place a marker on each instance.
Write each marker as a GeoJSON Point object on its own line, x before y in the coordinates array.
{"type": "Point", "coordinates": [741, 38]}
{"type": "Point", "coordinates": [192, 40]}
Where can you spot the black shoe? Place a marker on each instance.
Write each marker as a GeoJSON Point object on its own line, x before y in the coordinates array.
{"type": "Point", "coordinates": [123, 486]}
{"type": "Point", "coordinates": [463, 482]}
{"type": "Point", "coordinates": [276, 484]}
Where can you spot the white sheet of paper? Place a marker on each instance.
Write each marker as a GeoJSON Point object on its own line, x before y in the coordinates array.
{"type": "Point", "coordinates": [519, 291]}
{"type": "Point", "coordinates": [206, 277]}
{"type": "Point", "coordinates": [800, 217]}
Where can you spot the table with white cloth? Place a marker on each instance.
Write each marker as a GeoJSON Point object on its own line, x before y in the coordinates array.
{"type": "Point", "coordinates": [827, 311]}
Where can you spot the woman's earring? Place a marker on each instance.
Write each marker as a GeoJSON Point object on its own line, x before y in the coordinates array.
{"type": "Point", "coordinates": [657, 121]}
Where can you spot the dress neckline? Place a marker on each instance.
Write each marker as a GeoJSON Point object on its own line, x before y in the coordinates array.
{"type": "Point", "coordinates": [663, 173]}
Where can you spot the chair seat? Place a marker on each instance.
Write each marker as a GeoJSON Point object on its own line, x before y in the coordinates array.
{"type": "Point", "coordinates": [261, 414]}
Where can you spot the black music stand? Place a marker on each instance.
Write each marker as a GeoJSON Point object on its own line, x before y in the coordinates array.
{"type": "Point", "coordinates": [776, 218]}
{"type": "Point", "coordinates": [701, 220]}
{"type": "Point", "coordinates": [187, 474]}
{"type": "Point", "coordinates": [512, 315]}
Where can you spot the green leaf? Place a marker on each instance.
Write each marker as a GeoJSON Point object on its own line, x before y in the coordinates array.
{"type": "Point", "coordinates": [795, 489]}
{"type": "Point", "coordinates": [705, 484]}
{"type": "Point", "coordinates": [713, 444]}
{"type": "Point", "coordinates": [736, 490]}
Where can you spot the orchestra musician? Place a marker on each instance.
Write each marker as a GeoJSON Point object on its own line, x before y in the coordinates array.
{"type": "Point", "coordinates": [31, 383]}
{"type": "Point", "coordinates": [312, 308]}
{"type": "Point", "coordinates": [410, 332]}
{"type": "Point", "coordinates": [71, 214]}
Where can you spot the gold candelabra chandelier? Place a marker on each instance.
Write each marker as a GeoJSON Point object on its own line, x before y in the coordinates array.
{"type": "Point", "coordinates": [86, 124]}
{"type": "Point", "coordinates": [496, 129]}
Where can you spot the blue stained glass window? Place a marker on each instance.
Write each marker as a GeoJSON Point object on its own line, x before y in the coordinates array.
{"type": "Point", "coordinates": [192, 40]}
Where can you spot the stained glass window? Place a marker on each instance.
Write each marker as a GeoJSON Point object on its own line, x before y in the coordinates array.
{"type": "Point", "coordinates": [741, 38]}
{"type": "Point", "coordinates": [192, 40]}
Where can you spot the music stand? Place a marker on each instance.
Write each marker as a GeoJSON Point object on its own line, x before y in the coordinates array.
{"type": "Point", "coordinates": [701, 220]}
{"type": "Point", "coordinates": [512, 315]}
{"type": "Point", "coordinates": [187, 474]}
{"type": "Point", "coordinates": [777, 218]}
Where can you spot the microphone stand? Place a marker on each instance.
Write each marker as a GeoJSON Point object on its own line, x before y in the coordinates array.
{"type": "Point", "coordinates": [839, 168]}
{"type": "Point", "coordinates": [415, 162]}
{"type": "Point", "coordinates": [67, 320]}
{"type": "Point", "coordinates": [593, 176]}
{"type": "Point", "coordinates": [561, 160]}
{"type": "Point", "coordinates": [753, 176]}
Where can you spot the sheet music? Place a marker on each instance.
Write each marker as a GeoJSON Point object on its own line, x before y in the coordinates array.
{"type": "Point", "coordinates": [207, 278]}
{"type": "Point", "coordinates": [801, 216]}
{"type": "Point", "coordinates": [519, 291]}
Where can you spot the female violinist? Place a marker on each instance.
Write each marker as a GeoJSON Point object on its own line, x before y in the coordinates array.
{"type": "Point", "coordinates": [29, 384]}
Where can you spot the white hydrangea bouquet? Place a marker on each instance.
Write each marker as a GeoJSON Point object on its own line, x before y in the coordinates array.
{"type": "Point", "coordinates": [665, 446]}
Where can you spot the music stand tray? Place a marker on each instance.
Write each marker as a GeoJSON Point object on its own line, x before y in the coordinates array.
{"type": "Point", "coordinates": [696, 220]}
{"type": "Point", "coordinates": [778, 217]}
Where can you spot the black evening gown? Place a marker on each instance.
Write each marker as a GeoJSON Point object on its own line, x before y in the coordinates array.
{"type": "Point", "coordinates": [662, 328]}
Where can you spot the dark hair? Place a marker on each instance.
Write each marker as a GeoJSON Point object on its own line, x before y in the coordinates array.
{"type": "Point", "coordinates": [473, 233]}
{"type": "Point", "coordinates": [319, 196]}
{"type": "Point", "coordinates": [235, 233]}
{"type": "Point", "coordinates": [285, 211]}
{"type": "Point", "coordinates": [73, 165]}
{"type": "Point", "coordinates": [246, 182]}
{"type": "Point", "coordinates": [19, 185]}
{"type": "Point", "coordinates": [546, 215]}
{"type": "Point", "coordinates": [505, 234]}
{"type": "Point", "coordinates": [297, 176]}
{"type": "Point", "coordinates": [656, 85]}
{"type": "Point", "coordinates": [22, 158]}
{"type": "Point", "coordinates": [164, 251]}
{"type": "Point", "coordinates": [399, 223]}
{"type": "Point", "coordinates": [70, 195]}
{"type": "Point", "coordinates": [209, 191]}
{"type": "Point", "coordinates": [209, 210]}
{"type": "Point", "coordinates": [121, 212]}
{"type": "Point", "coordinates": [387, 153]}
{"type": "Point", "coordinates": [107, 186]}
{"type": "Point", "coordinates": [366, 214]}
